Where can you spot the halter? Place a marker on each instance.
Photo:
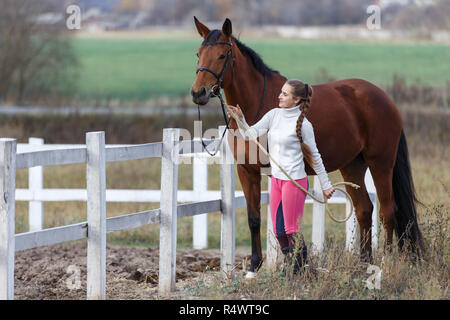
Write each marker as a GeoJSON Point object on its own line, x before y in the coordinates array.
{"type": "Point", "coordinates": [219, 78]}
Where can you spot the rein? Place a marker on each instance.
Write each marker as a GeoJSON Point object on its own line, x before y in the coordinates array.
{"type": "Point", "coordinates": [226, 123]}
{"type": "Point", "coordinates": [217, 86]}
{"type": "Point", "coordinates": [219, 78]}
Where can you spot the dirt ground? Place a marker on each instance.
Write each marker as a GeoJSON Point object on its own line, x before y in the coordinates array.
{"type": "Point", "coordinates": [59, 271]}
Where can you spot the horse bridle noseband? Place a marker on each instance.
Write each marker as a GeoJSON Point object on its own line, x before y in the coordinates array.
{"type": "Point", "coordinates": [219, 78]}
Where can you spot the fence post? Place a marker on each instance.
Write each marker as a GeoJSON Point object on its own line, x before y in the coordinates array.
{"type": "Point", "coordinates": [228, 223]}
{"type": "Point", "coordinates": [96, 215]}
{"type": "Point", "coordinates": [272, 243]}
{"type": "Point", "coordinates": [8, 148]}
{"type": "Point", "coordinates": [368, 180]}
{"type": "Point", "coordinates": [200, 186]}
{"type": "Point", "coordinates": [168, 223]}
{"type": "Point", "coordinates": [35, 183]}
{"type": "Point", "coordinates": [318, 221]}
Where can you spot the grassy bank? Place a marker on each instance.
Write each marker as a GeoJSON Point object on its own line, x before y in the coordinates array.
{"type": "Point", "coordinates": [137, 69]}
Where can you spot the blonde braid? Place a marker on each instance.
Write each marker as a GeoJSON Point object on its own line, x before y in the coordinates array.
{"type": "Point", "coordinates": [305, 102]}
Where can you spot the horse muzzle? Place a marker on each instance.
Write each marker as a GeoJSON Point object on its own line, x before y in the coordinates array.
{"type": "Point", "coordinates": [202, 96]}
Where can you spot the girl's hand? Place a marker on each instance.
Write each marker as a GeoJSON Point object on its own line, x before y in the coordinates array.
{"type": "Point", "coordinates": [328, 193]}
{"type": "Point", "coordinates": [237, 110]}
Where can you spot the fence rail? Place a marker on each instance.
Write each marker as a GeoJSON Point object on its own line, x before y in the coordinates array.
{"type": "Point", "coordinates": [96, 154]}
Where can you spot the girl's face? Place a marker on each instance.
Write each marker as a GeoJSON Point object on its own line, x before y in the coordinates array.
{"type": "Point", "coordinates": [286, 98]}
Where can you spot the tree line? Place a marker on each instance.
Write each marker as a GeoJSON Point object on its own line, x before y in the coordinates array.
{"type": "Point", "coordinates": [285, 12]}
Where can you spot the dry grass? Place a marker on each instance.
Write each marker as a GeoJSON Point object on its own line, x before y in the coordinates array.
{"type": "Point", "coordinates": [338, 274]}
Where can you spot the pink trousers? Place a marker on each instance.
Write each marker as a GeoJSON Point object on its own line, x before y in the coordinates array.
{"type": "Point", "coordinates": [287, 202]}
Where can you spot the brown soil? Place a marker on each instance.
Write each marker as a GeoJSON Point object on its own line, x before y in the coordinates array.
{"type": "Point", "coordinates": [131, 272]}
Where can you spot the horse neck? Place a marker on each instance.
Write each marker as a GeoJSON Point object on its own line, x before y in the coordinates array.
{"type": "Point", "coordinates": [246, 89]}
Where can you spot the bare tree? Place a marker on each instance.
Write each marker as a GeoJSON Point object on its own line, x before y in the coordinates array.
{"type": "Point", "coordinates": [35, 53]}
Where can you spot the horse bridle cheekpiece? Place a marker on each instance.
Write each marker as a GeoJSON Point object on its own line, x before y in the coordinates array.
{"type": "Point", "coordinates": [219, 78]}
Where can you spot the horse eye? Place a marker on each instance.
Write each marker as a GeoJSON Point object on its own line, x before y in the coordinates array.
{"type": "Point", "coordinates": [222, 57]}
{"type": "Point", "coordinates": [197, 55]}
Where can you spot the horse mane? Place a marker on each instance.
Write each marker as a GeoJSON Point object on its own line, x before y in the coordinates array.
{"type": "Point", "coordinates": [256, 60]}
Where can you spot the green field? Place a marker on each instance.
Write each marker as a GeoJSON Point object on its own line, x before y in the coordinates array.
{"type": "Point", "coordinates": [133, 68]}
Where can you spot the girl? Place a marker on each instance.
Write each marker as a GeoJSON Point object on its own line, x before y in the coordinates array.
{"type": "Point", "coordinates": [291, 140]}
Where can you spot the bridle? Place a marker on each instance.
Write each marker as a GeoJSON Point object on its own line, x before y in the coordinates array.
{"type": "Point", "coordinates": [219, 78]}
{"type": "Point", "coordinates": [217, 86]}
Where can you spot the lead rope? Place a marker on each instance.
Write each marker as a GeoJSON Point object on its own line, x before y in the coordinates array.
{"type": "Point", "coordinates": [227, 122]}
{"type": "Point", "coordinates": [325, 202]}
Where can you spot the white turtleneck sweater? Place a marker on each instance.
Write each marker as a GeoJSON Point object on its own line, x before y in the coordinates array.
{"type": "Point", "coordinates": [284, 145]}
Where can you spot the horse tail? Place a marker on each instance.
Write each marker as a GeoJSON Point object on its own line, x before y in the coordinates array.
{"type": "Point", "coordinates": [405, 216]}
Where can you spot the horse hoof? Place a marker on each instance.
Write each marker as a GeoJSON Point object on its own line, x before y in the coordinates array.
{"type": "Point", "coordinates": [250, 275]}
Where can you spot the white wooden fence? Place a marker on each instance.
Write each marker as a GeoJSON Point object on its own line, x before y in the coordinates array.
{"type": "Point", "coordinates": [95, 154]}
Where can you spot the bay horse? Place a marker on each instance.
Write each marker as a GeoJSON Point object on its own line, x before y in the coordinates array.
{"type": "Point", "coordinates": [356, 126]}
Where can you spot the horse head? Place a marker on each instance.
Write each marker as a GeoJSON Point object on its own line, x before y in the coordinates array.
{"type": "Point", "coordinates": [214, 67]}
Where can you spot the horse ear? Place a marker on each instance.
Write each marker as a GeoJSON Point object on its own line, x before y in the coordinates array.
{"type": "Point", "coordinates": [201, 28]}
{"type": "Point", "coordinates": [226, 28]}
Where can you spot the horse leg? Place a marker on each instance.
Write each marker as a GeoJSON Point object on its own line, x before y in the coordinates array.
{"type": "Point", "coordinates": [355, 172]}
{"type": "Point", "coordinates": [251, 186]}
{"type": "Point", "coordinates": [382, 177]}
